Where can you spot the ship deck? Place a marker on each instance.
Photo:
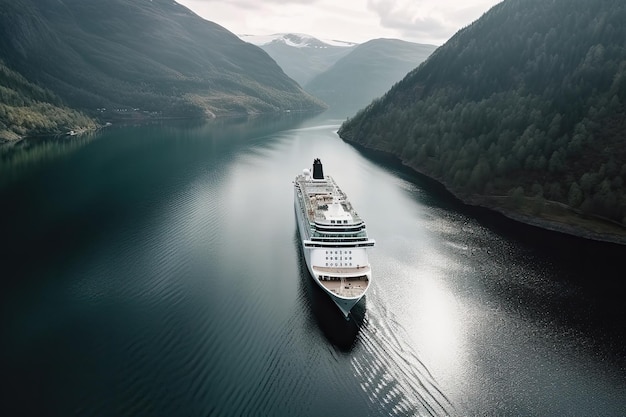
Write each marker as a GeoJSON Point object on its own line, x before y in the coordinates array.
{"type": "Point", "coordinates": [339, 270]}
{"type": "Point", "coordinates": [347, 287]}
{"type": "Point", "coordinates": [344, 286]}
{"type": "Point", "coordinates": [326, 188]}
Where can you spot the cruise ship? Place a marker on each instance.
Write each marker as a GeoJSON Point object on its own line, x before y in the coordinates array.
{"type": "Point", "coordinates": [334, 238]}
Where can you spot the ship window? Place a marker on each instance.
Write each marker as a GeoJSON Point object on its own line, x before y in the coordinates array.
{"type": "Point", "coordinates": [332, 221]}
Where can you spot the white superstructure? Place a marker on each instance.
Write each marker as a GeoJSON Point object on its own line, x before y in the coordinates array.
{"type": "Point", "coordinates": [334, 238]}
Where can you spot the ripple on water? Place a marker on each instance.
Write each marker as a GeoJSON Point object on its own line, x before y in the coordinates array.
{"type": "Point", "coordinates": [391, 373]}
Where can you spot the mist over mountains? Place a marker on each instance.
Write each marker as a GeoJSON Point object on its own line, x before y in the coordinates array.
{"type": "Point", "coordinates": [66, 64]}
{"type": "Point", "coordinates": [301, 56]}
{"type": "Point", "coordinates": [366, 73]}
{"type": "Point", "coordinates": [344, 75]}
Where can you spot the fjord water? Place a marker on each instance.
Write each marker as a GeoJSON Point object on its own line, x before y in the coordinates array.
{"type": "Point", "coordinates": [156, 270]}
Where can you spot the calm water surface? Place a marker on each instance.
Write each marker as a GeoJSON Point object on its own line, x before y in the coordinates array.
{"type": "Point", "coordinates": [156, 270]}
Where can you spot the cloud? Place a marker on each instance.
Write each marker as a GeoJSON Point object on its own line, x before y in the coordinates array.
{"type": "Point", "coordinates": [423, 21]}
{"type": "Point", "coordinates": [426, 19]}
{"type": "Point", "coordinates": [254, 4]}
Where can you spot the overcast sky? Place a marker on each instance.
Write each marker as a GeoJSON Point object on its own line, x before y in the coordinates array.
{"type": "Point", "coordinates": [422, 21]}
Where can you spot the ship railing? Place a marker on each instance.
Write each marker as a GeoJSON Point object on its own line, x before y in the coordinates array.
{"type": "Point", "coordinates": [338, 244]}
{"type": "Point", "coordinates": [318, 238]}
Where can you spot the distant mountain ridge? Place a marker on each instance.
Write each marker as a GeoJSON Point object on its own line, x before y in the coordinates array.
{"type": "Point", "coordinates": [298, 40]}
{"type": "Point", "coordinates": [301, 56]}
{"type": "Point", "coordinates": [523, 111]}
{"type": "Point", "coordinates": [367, 72]}
{"type": "Point", "coordinates": [156, 56]}
{"type": "Point", "coordinates": [345, 75]}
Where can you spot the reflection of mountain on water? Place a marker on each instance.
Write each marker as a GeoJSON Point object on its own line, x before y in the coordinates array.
{"type": "Point", "coordinates": [340, 332]}
{"type": "Point", "coordinates": [19, 157]}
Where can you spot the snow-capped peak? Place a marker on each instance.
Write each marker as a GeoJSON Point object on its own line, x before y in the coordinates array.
{"type": "Point", "coordinates": [296, 40]}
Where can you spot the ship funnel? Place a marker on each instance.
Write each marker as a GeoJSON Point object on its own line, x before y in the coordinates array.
{"type": "Point", "coordinates": [318, 172]}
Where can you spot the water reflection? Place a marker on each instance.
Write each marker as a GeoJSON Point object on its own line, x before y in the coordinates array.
{"type": "Point", "coordinates": [437, 326]}
{"type": "Point", "coordinates": [169, 295]}
{"type": "Point", "coordinates": [17, 159]}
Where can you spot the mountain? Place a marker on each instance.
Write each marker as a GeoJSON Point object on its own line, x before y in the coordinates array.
{"type": "Point", "coordinates": [346, 76]}
{"type": "Point", "coordinates": [523, 111]}
{"type": "Point", "coordinates": [301, 56]}
{"type": "Point", "coordinates": [367, 72]}
{"type": "Point", "coordinates": [152, 55]}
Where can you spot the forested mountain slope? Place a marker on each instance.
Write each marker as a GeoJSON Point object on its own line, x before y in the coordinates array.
{"type": "Point", "coordinates": [367, 72]}
{"type": "Point", "coordinates": [27, 109]}
{"type": "Point", "coordinates": [155, 55]}
{"type": "Point", "coordinates": [523, 110]}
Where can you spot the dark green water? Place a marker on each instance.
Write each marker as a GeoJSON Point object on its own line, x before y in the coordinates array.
{"type": "Point", "coordinates": [156, 271]}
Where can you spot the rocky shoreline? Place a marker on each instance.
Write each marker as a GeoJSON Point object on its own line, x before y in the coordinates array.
{"type": "Point", "coordinates": [559, 227]}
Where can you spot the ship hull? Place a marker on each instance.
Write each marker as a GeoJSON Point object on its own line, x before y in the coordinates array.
{"type": "Point", "coordinates": [336, 282]}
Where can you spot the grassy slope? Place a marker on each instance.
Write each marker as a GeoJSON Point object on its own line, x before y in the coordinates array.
{"type": "Point", "coordinates": [27, 110]}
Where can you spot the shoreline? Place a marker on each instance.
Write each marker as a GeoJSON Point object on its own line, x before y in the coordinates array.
{"type": "Point", "coordinates": [70, 133]}
{"type": "Point", "coordinates": [108, 122]}
{"type": "Point", "coordinates": [555, 226]}
{"type": "Point", "coordinates": [574, 223]}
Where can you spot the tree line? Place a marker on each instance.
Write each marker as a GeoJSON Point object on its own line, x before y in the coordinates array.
{"type": "Point", "coordinates": [528, 101]}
